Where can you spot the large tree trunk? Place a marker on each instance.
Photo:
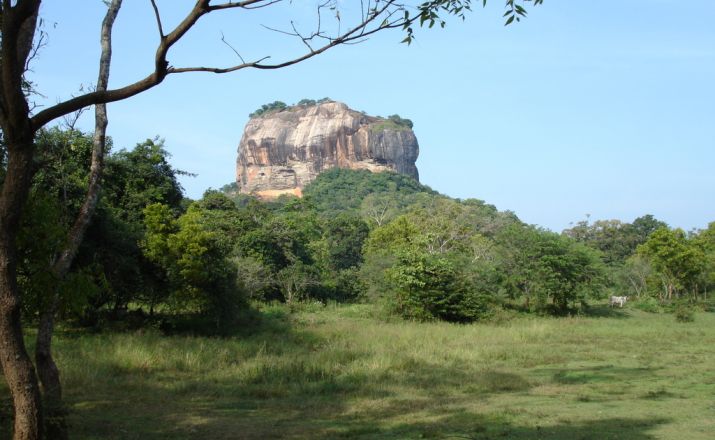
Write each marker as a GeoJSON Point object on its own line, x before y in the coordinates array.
{"type": "Point", "coordinates": [16, 364]}
{"type": "Point", "coordinates": [18, 29]}
{"type": "Point", "coordinates": [48, 372]}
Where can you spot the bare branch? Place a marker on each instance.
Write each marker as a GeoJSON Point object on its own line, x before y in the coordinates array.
{"type": "Point", "coordinates": [158, 19]}
{"type": "Point", "coordinates": [292, 34]}
{"type": "Point", "coordinates": [36, 47]}
{"type": "Point", "coordinates": [69, 121]}
{"type": "Point", "coordinates": [383, 10]}
{"type": "Point", "coordinates": [223, 39]}
{"type": "Point", "coordinates": [251, 4]}
{"type": "Point", "coordinates": [302, 38]}
{"type": "Point", "coordinates": [156, 77]}
{"type": "Point", "coordinates": [354, 36]}
{"type": "Point", "coordinates": [216, 69]}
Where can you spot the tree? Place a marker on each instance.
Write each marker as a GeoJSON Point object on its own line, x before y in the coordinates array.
{"type": "Point", "coordinates": [435, 261]}
{"type": "Point", "coordinates": [444, 224]}
{"type": "Point", "coordinates": [295, 280]}
{"type": "Point", "coordinates": [636, 272]}
{"type": "Point", "coordinates": [617, 240]}
{"type": "Point", "coordinates": [14, 60]}
{"type": "Point", "coordinates": [64, 155]}
{"type": "Point", "coordinates": [706, 241]}
{"type": "Point", "coordinates": [545, 267]}
{"type": "Point", "coordinates": [677, 260]}
{"type": "Point", "coordinates": [428, 286]}
{"type": "Point", "coordinates": [133, 179]}
{"type": "Point", "coordinates": [646, 225]}
{"type": "Point", "coordinates": [195, 258]}
{"type": "Point", "coordinates": [139, 177]}
{"type": "Point", "coordinates": [108, 268]}
{"type": "Point", "coordinates": [378, 208]}
{"type": "Point", "coordinates": [345, 236]}
{"type": "Point", "coordinates": [253, 276]}
{"type": "Point", "coordinates": [19, 125]}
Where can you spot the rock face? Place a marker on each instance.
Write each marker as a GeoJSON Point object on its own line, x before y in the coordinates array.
{"type": "Point", "coordinates": [280, 152]}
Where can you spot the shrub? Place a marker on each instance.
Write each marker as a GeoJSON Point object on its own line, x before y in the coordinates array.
{"type": "Point", "coordinates": [648, 304]}
{"type": "Point", "coordinates": [306, 102]}
{"type": "Point", "coordinates": [277, 106]}
{"type": "Point", "coordinates": [347, 285]}
{"type": "Point", "coordinates": [400, 121]}
{"type": "Point", "coordinates": [684, 313]}
{"type": "Point", "coordinates": [267, 108]}
{"type": "Point", "coordinates": [426, 287]}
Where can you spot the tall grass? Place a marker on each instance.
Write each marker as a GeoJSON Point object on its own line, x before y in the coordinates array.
{"type": "Point", "coordinates": [338, 372]}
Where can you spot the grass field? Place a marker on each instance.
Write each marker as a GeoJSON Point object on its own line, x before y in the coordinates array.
{"type": "Point", "coordinates": [338, 372]}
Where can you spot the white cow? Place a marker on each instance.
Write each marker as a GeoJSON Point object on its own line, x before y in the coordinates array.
{"type": "Point", "coordinates": [620, 300]}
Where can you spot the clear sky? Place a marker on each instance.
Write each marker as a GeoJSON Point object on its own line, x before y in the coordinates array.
{"type": "Point", "coordinates": [600, 107]}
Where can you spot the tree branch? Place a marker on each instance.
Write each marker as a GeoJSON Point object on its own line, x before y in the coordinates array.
{"type": "Point", "coordinates": [356, 33]}
{"type": "Point", "coordinates": [215, 69]}
{"type": "Point", "coordinates": [383, 10]}
{"type": "Point", "coordinates": [46, 368]}
{"type": "Point", "coordinates": [158, 19]}
{"type": "Point", "coordinates": [223, 39]}
{"type": "Point", "coordinates": [18, 31]}
{"type": "Point", "coordinates": [156, 77]}
{"type": "Point", "coordinates": [251, 4]}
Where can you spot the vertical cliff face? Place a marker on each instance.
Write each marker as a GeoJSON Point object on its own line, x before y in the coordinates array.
{"type": "Point", "coordinates": [280, 152]}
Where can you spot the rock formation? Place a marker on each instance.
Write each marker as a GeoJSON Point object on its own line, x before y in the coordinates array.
{"type": "Point", "coordinates": [281, 151]}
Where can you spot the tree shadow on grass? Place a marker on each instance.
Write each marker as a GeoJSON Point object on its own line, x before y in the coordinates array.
{"type": "Point", "coordinates": [464, 425]}
{"type": "Point", "coordinates": [310, 418]}
{"type": "Point", "coordinates": [302, 385]}
{"type": "Point", "coordinates": [605, 311]}
{"type": "Point", "coordinates": [598, 374]}
{"type": "Point", "coordinates": [312, 390]}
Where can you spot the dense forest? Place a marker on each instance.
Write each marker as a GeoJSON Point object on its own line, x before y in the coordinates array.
{"type": "Point", "coordinates": [154, 257]}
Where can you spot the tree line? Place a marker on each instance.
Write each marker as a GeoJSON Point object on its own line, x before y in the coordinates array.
{"type": "Point", "coordinates": [153, 257]}
{"type": "Point", "coordinates": [650, 261]}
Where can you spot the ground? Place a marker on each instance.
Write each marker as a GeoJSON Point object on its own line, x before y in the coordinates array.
{"type": "Point", "coordinates": [349, 372]}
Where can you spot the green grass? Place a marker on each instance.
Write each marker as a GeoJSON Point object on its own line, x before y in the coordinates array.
{"type": "Point", "coordinates": [340, 372]}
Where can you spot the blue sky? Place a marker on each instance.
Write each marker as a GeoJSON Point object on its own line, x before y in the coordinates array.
{"type": "Point", "coordinates": [591, 107]}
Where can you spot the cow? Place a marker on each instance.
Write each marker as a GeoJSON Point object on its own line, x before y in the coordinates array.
{"type": "Point", "coordinates": [620, 300]}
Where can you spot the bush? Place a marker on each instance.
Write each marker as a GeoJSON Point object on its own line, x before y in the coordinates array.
{"type": "Point", "coordinates": [684, 313]}
{"type": "Point", "coordinates": [346, 285]}
{"type": "Point", "coordinates": [501, 316]}
{"type": "Point", "coordinates": [427, 287]}
{"type": "Point", "coordinates": [277, 106]}
{"type": "Point", "coordinates": [268, 108]}
{"type": "Point", "coordinates": [306, 102]}
{"type": "Point", "coordinates": [403, 122]}
{"type": "Point", "coordinates": [648, 304]}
